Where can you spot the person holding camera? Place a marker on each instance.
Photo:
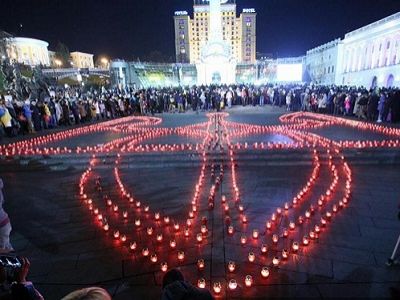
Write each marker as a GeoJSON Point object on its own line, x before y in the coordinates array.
{"type": "Point", "coordinates": [13, 283]}
{"type": "Point", "coordinates": [5, 225]}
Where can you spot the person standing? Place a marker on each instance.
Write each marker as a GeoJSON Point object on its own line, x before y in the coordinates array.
{"type": "Point", "coordinates": [5, 225]}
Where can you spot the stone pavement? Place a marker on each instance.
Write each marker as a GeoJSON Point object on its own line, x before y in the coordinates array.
{"type": "Point", "coordinates": [68, 251]}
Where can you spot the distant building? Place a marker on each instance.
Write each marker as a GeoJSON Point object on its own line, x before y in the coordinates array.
{"type": "Point", "coordinates": [82, 60]}
{"type": "Point", "coordinates": [28, 51]}
{"type": "Point", "coordinates": [371, 55]}
{"type": "Point", "coordinates": [53, 59]}
{"type": "Point", "coordinates": [321, 62]}
{"type": "Point", "coordinates": [191, 35]}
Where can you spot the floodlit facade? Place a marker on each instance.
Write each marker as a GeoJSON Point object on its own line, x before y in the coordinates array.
{"type": "Point", "coordinates": [192, 34]}
{"type": "Point", "coordinates": [371, 55]}
{"type": "Point", "coordinates": [82, 60]}
{"type": "Point", "coordinates": [28, 51]}
{"type": "Point", "coordinates": [321, 62]}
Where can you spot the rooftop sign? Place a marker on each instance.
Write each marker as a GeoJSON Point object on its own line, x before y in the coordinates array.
{"type": "Point", "coordinates": [181, 13]}
{"type": "Point", "coordinates": [249, 10]}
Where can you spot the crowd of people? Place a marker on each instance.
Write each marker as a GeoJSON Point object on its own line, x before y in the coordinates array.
{"type": "Point", "coordinates": [65, 107]}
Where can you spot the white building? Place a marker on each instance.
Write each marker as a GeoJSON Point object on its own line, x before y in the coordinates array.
{"type": "Point", "coordinates": [321, 62]}
{"type": "Point", "coordinates": [371, 55]}
{"type": "Point", "coordinates": [28, 51]}
{"type": "Point", "coordinates": [82, 60]}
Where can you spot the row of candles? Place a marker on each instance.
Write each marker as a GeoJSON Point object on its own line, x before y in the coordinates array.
{"type": "Point", "coordinates": [295, 121]}
{"type": "Point", "coordinates": [31, 146]}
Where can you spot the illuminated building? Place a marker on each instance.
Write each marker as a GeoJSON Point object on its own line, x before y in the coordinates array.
{"type": "Point", "coordinates": [82, 60]}
{"type": "Point", "coordinates": [321, 62]}
{"type": "Point", "coordinates": [192, 35]}
{"type": "Point", "coordinates": [28, 51]}
{"type": "Point", "coordinates": [371, 55]}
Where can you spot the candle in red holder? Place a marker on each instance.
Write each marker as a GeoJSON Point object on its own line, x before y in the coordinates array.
{"type": "Point", "coordinates": [200, 264]}
{"type": "Point", "coordinates": [275, 261]}
{"type": "Point", "coordinates": [181, 255]}
{"type": "Point", "coordinates": [255, 233]}
{"type": "Point", "coordinates": [217, 287]}
{"type": "Point", "coordinates": [265, 272]}
{"type": "Point", "coordinates": [232, 284]}
{"type": "Point", "coordinates": [150, 230]}
{"type": "Point", "coordinates": [153, 258]}
{"type": "Point", "coordinates": [132, 245]}
{"type": "Point", "coordinates": [137, 222]}
{"type": "Point", "coordinates": [231, 266]}
{"type": "Point", "coordinates": [199, 237]}
{"type": "Point", "coordinates": [248, 281]}
{"type": "Point", "coordinates": [145, 252]}
{"type": "Point", "coordinates": [251, 257]}
{"type": "Point", "coordinates": [275, 238]}
{"type": "Point", "coordinates": [264, 248]}
{"type": "Point", "coordinates": [201, 283]}
{"type": "Point", "coordinates": [164, 266]}
{"type": "Point", "coordinates": [295, 246]}
{"type": "Point", "coordinates": [285, 253]}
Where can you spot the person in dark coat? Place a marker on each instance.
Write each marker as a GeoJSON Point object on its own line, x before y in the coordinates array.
{"type": "Point", "coordinates": [174, 287]}
{"type": "Point", "coordinates": [36, 117]}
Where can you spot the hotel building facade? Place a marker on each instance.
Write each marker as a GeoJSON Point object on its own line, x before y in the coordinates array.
{"type": "Point", "coordinates": [191, 34]}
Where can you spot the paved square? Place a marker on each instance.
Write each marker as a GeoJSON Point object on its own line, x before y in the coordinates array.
{"type": "Point", "coordinates": [311, 198]}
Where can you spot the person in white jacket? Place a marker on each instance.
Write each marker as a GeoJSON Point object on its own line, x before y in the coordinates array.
{"type": "Point", "coordinates": [5, 225]}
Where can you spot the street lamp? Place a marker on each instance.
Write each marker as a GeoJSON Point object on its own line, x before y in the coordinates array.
{"type": "Point", "coordinates": [58, 63]}
{"type": "Point", "coordinates": [104, 61]}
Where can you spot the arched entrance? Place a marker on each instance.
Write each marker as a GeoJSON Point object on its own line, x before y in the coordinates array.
{"type": "Point", "coordinates": [390, 81]}
{"type": "Point", "coordinates": [374, 82]}
{"type": "Point", "coordinates": [216, 78]}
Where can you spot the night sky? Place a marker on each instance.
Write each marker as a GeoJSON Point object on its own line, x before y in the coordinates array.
{"type": "Point", "coordinates": [133, 28]}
